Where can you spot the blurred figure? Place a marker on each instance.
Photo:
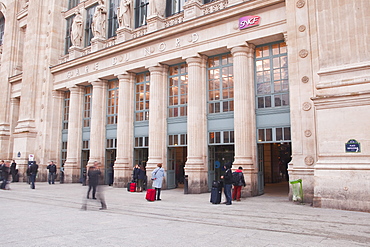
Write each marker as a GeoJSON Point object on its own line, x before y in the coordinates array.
{"type": "Point", "coordinates": [94, 174]}
{"type": "Point", "coordinates": [2, 164]}
{"type": "Point", "coordinates": [157, 177]}
{"type": "Point", "coordinates": [52, 171]}
{"type": "Point", "coordinates": [141, 179]}
{"type": "Point", "coordinates": [111, 174]}
{"type": "Point", "coordinates": [135, 173]}
{"type": "Point", "coordinates": [5, 174]}
{"type": "Point", "coordinates": [62, 173]}
{"type": "Point", "coordinates": [32, 170]}
{"type": "Point", "coordinates": [14, 171]}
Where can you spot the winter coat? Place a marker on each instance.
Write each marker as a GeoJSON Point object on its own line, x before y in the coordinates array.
{"type": "Point", "coordinates": [228, 177]}
{"type": "Point", "coordinates": [94, 175]}
{"type": "Point", "coordinates": [52, 168]}
{"type": "Point", "coordinates": [157, 177]}
{"type": "Point", "coordinates": [240, 178]}
{"type": "Point", "coordinates": [141, 174]}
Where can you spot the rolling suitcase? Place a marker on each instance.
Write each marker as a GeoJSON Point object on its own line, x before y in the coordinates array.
{"type": "Point", "coordinates": [216, 192]}
{"type": "Point", "coordinates": [128, 186]}
{"type": "Point", "coordinates": [150, 195]}
{"type": "Point", "coordinates": [132, 187]}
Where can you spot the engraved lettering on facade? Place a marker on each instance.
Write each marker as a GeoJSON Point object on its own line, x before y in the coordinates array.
{"type": "Point", "coordinates": [114, 60]}
{"type": "Point", "coordinates": [162, 46]}
{"type": "Point", "coordinates": [96, 66]}
{"type": "Point", "coordinates": [86, 69]}
{"type": "Point", "coordinates": [177, 42]}
{"type": "Point", "coordinates": [194, 37]}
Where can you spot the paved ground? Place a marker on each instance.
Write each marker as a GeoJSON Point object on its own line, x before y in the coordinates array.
{"type": "Point", "coordinates": [50, 215]}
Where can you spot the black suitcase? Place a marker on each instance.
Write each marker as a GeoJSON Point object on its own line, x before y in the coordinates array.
{"type": "Point", "coordinates": [128, 186]}
{"type": "Point", "coordinates": [216, 192]}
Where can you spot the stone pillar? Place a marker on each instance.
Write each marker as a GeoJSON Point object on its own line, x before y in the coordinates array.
{"type": "Point", "coordinates": [98, 117]}
{"type": "Point", "coordinates": [157, 118]}
{"type": "Point", "coordinates": [14, 114]}
{"type": "Point", "coordinates": [196, 163]}
{"type": "Point", "coordinates": [123, 164]}
{"type": "Point", "coordinates": [244, 117]}
{"type": "Point", "coordinates": [72, 164]}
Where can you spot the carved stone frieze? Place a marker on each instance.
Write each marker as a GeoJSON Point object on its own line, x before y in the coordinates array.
{"type": "Point", "coordinates": [305, 79]}
{"type": "Point", "coordinates": [302, 28]}
{"type": "Point", "coordinates": [306, 106]}
{"type": "Point", "coordinates": [308, 133]}
{"type": "Point", "coordinates": [309, 160]}
{"type": "Point", "coordinates": [300, 3]}
{"type": "Point", "coordinates": [303, 53]}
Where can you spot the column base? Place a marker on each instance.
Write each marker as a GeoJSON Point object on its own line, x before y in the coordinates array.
{"type": "Point", "coordinates": [197, 178]}
{"type": "Point", "coordinates": [122, 175]}
{"type": "Point", "coordinates": [72, 173]}
{"type": "Point", "coordinates": [251, 180]}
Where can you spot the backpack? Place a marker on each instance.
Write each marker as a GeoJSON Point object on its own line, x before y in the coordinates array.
{"type": "Point", "coordinates": [236, 178]}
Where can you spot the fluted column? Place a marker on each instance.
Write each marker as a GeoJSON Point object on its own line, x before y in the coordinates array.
{"type": "Point", "coordinates": [72, 164]}
{"type": "Point", "coordinates": [157, 118]}
{"type": "Point", "coordinates": [244, 116]}
{"type": "Point", "coordinates": [195, 166]}
{"type": "Point", "coordinates": [98, 118]}
{"type": "Point", "coordinates": [123, 164]}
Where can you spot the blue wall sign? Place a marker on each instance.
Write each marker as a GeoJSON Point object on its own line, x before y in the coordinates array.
{"type": "Point", "coordinates": [353, 146]}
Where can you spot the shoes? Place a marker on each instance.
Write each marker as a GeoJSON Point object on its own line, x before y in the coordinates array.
{"type": "Point", "coordinates": [238, 200]}
{"type": "Point", "coordinates": [103, 208]}
{"type": "Point", "coordinates": [159, 199]}
{"type": "Point", "coordinates": [94, 198]}
{"type": "Point", "coordinates": [228, 203]}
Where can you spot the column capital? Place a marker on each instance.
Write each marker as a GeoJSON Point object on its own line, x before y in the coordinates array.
{"type": "Point", "coordinates": [124, 76]}
{"type": "Point", "coordinates": [75, 89]}
{"type": "Point", "coordinates": [158, 68]}
{"type": "Point", "coordinates": [248, 48]}
{"type": "Point", "coordinates": [14, 100]}
{"type": "Point", "coordinates": [98, 83]}
{"type": "Point", "coordinates": [196, 59]}
{"type": "Point", "coordinates": [57, 93]}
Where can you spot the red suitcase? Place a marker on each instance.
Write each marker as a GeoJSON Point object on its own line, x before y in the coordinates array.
{"type": "Point", "coordinates": [132, 187]}
{"type": "Point", "coordinates": [150, 195]}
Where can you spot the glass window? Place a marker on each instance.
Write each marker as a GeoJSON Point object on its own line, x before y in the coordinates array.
{"type": "Point", "coordinates": [142, 94]}
{"type": "Point", "coordinates": [274, 134]}
{"type": "Point", "coordinates": [142, 141]}
{"type": "Point", "coordinates": [271, 76]}
{"type": "Point", "coordinates": [112, 105]}
{"type": "Point", "coordinates": [221, 137]}
{"type": "Point", "coordinates": [141, 8]}
{"type": "Point", "coordinates": [2, 27]}
{"type": "Point", "coordinates": [178, 90]}
{"type": "Point", "coordinates": [174, 6]}
{"type": "Point", "coordinates": [87, 107]}
{"type": "Point", "coordinates": [112, 18]}
{"type": "Point", "coordinates": [73, 3]}
{"type": "Point", "coordinates": [88, 30]}
{"type": "Point", "coordinates": [66, 110]}
{"type": "Point", "coordinates": [68, 42]}
{"type": "Point", "coordinates": [220, 84]}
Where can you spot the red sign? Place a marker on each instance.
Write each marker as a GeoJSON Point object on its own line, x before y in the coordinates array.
{"type": "Point", "coordinates": [249, 21]}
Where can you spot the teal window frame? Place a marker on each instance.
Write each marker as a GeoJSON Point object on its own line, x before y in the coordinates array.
{"type": "Point", "coordinates": [177, 100]}
{"type": "Point", "coordinates": [220, 84]}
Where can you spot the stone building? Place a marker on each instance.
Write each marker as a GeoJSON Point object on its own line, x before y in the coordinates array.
{"type": "Point", "coordinates": [277, 87]}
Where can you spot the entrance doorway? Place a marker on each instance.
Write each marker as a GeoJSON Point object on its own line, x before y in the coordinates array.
{"type": "Point", "coordinates": [177, 157]}
{"type": "Point", "coordinates": [110, 158]}
{"type": "Point", "coordinates": [273, 159]}
{"type": "Point", "coordinates": [85, 156]}
{"type": "Point", "coordinates": [219, 155]}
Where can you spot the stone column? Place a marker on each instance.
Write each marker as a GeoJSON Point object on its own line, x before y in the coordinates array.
{"type": "Point", "coordinates": [195, 166]}
{"type": "Point", "coordinates": [98, 117]}
{"type": "Point", "coordinates": [123, 164]}
{"type": "Point", "coordinates": [72, 164]}
{"type": "Point", "coordinates": [244, 116]}
{"type": "Point", "coordinates": [157, 118]}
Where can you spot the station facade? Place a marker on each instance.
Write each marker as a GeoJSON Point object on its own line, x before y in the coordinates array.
{"type": "Point", "coordinates": [278, 87]}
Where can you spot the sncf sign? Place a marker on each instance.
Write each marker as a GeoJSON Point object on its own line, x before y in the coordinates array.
{"type": "Point", "coordinates": [249, 21]}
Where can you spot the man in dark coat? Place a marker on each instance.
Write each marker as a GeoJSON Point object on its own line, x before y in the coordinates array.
{"type": "Point", "coordinates": [93, 176]}
{"type": "Point", "coordinates": [52, 171]}
{"type": "Point", "coordinates": [238, 182]}
{"type": "Point", "coordinates": [32, 170]}
{"type": "Point", "coordinates": [228, 182]}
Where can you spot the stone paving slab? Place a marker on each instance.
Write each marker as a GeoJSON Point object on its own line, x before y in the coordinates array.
{"type": "Point", "coordinates": [51, 215]}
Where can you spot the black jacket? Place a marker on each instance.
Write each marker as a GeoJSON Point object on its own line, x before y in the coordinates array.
{"type": "Point", "coordinates": [93, 176]}
{"type": "Point", "coordinates": [52, 168]}
{"type": "Point", "coordinates": [228, 177]}
{"type": "Point", "coordinates": [33, 169]}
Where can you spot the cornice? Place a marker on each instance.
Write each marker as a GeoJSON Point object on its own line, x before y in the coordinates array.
{"type": "Point", "coordinates": [341, 100]}
{"type": "Point", "coordinates": [204, 20]}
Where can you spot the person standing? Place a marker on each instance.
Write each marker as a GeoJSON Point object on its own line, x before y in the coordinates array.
{"type": "Point", "coordinates": [52, 171]}
{"type": "Point", "coordinates": [62, 173]}
{"type": "Point", "coordinates": [228, 182]}
{"type": "Point", "coordinates": [238, 182]}
{"type": "Point", "coordinates": [14, 171]}
{"type": "Point", "coordinates": [135, 173]}
{"type": "Point", "coordinates": [5, 171]}
{"type": "Point", "coordinates": [157, 177]}
{"type": "Point", "coordinates": [2, 164]}
{"type": "Point", "coordinates": [32, 170]}
{"type": "Point", "coordinates": [141, 178]}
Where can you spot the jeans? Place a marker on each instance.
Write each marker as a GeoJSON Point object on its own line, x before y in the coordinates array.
{"type": "Point", "coordinates": [93, 187]}
{"type": "Point", "coordinates": [227, 191]}
{"type": "Point", "coordinates": [32, 180]}
{"type": "Point", "coordinates": [51, 177]}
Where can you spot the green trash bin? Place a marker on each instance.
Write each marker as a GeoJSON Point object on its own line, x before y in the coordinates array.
{"type": "Point", "coordinates": [297, 190]}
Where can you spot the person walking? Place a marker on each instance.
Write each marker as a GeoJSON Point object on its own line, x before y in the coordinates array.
{"type": "Point", "coordinates": [238, 182]}
{"type": "Point", "coordinates": [228, 182]}
{"type": "Point", "coordinates": [52, 171]}
{"type": "Point", "coordinates": [32, 170]}
{"type": "Point", "coordinates": [94, 174]}
{"type": "Point", "coordinates": [157, 177]}
{"type": "Point", "coordinates": [5, 173]}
